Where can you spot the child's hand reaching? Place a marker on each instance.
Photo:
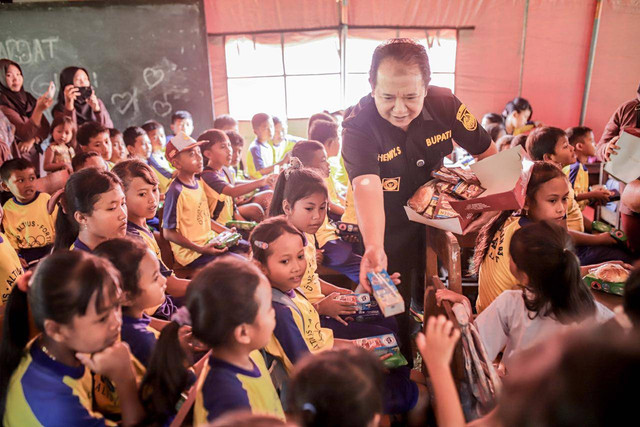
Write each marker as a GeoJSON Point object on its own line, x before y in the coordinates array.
{"type": "Point", "coordinates": [333, 308]}
{"type": "Point", "coordinates": [114, 362]}
{"type": "Point", "coordinates": [600, 196]}
{"type": "Point", "coordinates": [439, 343]}
{"type": "Point", "coordinates": [319, 256]}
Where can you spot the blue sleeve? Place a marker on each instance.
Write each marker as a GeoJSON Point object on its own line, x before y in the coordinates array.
{"type": "Point", "coordinates": [169, 217]}
{"type": "Point", "coordinates": [258, 161]}
{"type": "Point", "coordinates": [573, 173]}
{"type": "Point", "coordinates": [140, 342]}
{"type": "Point", "coordinates": [214, 181]}
{"type": "Point", "coordinates": [288, 334]}
{"type": "Point", "coordinates": [65, 409]}
{"type": "Point", "coordinates": [221, 393]}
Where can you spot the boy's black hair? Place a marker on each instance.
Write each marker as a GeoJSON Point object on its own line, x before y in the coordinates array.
{"type": "Point", "coordinates": [223, 121]}
{"type": "Point", "coordinates": [576, 133]}
{"type": "Point", "coordinates": [132, 133]}
{"type": "Point", "coordinates": [259, 119]}
{"type": "Point", "coordinates": [323, 131]}
{"type": "Point", "coordinates": [543, 141]}
{"type": "Point", "coordinates": [151, 125]}
{"type": "Point", "coordinates": [181, 115]}
{"type": "Point", "coordinates": [494, 130]}
{"type": "Point", "coordinates": [114, 132]}
{"type": "Point", "coordinates": [79, 159]}
{"type": "Point", "coordinates": [235, 138]}
{"type": "Point", "coordinates": [319, 116]}
{"type": "Point", "coordinates": [88, 131]}
{"type": "Point", "coordinates": [306, 150]}
{"type": "Point", "coordinates": [13, 165]}
{"type": "Point", "coordinates": [493, 118]}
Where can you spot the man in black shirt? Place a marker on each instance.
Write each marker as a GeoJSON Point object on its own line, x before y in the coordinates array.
{"type": "Point", "coordinates": [392, 140]}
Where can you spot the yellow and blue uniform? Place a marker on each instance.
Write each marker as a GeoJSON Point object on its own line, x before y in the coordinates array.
{"type": "Point", "coordinates": [326, 233]}
{"type": "Point", "coordinates": [29, 227]}
{"type": "Point", "coordinates": [260, 156]}
{"type": "Point", "coordinates": [494, 276]}
{"type": "Point", "coordinates": [163, 174]}
{"type": "Point", "coordinates": [349, 215]}
{"type": "Point", "coordinates": [79, 245]}
{"type": "Point", "coordinates": [311, 281]}
{"type": "Point", "coordinates": [338, 173]}
{"type": "Point", "coordinates": [140, 336]}
{"type": "Point", "coordinates": [45, 392]}
{"type": "Point", "coordinates": [224, 387]}
{"type": "Point", "coordinates": [147, 237]}
{"type": "Point", "coordinates": [298, 331]}
{"type": "Point", "coordinates": [10, 268]}
{"type": "Point", "coordinates": [186, 210]}
{"type": "Point", "coordinates": [579, 179]}
{"type": "Point", "coordinates": [280, 150]}
{"type": "Point", "coordinates": [221, 205]}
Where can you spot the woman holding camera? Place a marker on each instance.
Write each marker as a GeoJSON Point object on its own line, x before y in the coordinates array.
{"type": "Point", "coordinates": [78, 99]}
{"type": "Point", "coordinates": [24, 111]}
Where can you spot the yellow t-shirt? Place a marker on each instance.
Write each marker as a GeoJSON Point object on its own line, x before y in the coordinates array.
{"type": "Point", "coordinates": [186, 210]}
{"type": "Point", "coordinates": [579, 179]}
{"type": "Point", "coordinates": [574, 214]}
{"type": "Point", "coordinates": [220, 205]}
{"type": "Point", "coordinates": [494, 276]}
{"type": "Point", "coordinates": [10, 268]}
{"type": "Point", "coordinates": [326, 233]}
{"type": "Point", "coordinates": [349, 215]}
{"type": "Point", "coordinates": [29, 225]}
{"type": "Point", "coordinates": [311, 281]}
{"type": "Point", "coordinates": [338, 174]}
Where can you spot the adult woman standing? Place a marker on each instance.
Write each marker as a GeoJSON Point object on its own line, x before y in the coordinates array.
{"type": "Point", "coordinates": [24, 111]}
{"type": "Point", "coordinates": [78, 100]}
{"type": "Point", "coordinates": [392, 140]}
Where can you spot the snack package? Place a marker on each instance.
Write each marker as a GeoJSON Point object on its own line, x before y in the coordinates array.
{"type": "Point", "coordinates": [347, 228]}
{"type": "Point", "coordinates": [422, 197]}
{"type": "Point", "coordinates": [443, 208]}
{"type": "Point", "coordinates": [383, 345]}
{"type": "Point", "coordinates": [445, 174]}
{"type": "Point", "coordinates": [241, 225]}
{"type": "Point", "coordinates": [386, 294]}
{"type": "Point", "coordinates": [609, 278]}
{"type": "Point", "coordinates": [226, 239]}
{"type": "Point", "coordinates": [366, 308]}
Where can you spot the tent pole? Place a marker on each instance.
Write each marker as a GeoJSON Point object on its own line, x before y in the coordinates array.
{"type": "Point", "coordinates": [523, 45]}
{"type": "Point", "coordinates": [592, 56]}
{"type": "Point", "coordinates": [342, 13]}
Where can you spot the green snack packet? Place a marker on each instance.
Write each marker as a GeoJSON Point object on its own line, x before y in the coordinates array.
{"type": "Point", "coordinates": [616, 288]}
{"type": "Point", "coordinates": [618, 235]}
{"type": "Point", "coordinates": [600, 227]}
{"type": "Point", "coordinates": [384, 345]}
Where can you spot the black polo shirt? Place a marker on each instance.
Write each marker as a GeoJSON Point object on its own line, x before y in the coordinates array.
{"type": "Point", "coordinates": [404, 160]}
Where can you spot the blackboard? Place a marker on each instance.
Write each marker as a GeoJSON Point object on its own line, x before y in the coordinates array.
{"type": "Point", "coordinates": [146, 59]}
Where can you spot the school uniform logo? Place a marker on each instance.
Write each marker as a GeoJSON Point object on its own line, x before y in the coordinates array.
{"type": "Point", "coordinates": [465, 117]}
{"type": "Point", "coordinates": [391, 184]}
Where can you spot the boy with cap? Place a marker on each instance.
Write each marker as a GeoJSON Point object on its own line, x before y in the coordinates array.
{"type": "Point", "coordinates": [186, 220]}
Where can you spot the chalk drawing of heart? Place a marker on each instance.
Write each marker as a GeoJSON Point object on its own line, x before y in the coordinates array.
{"type": "Point", "coordinates": [122, 101]}
{"type": "Point", "coordinates": [153, 77]}
{"type": "Point", "coordinates": [161, 108]}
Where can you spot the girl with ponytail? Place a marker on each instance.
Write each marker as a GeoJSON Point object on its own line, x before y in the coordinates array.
{"type": "Point", "coordinates": [551, 294]}
{"type": "Point", "coordinates": [228, 305]}
{"type": "Point", "coordinates": [74, 298]}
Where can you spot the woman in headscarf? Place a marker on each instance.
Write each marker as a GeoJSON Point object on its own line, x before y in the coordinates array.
{"type": "Point", "coordinates": [24, 111]}
{"type": "Point", "coordinates": [78, 100]}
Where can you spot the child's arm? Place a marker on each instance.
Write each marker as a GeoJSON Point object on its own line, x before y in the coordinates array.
{"type": "Point", "coordinates": [336, 209]}
{"type": "Point", "coordinates": [173, 236]}
{"type": "Point", "coordinates": [48, 165]}
{"type": "Point", "coordinates": [584, 239]}
{"type": "Point", "coordinates": [241, 189]}
{"type": "Point", "coordinates": [329, 306]}
{"type": "Point", "coordinates": [115, 363]}
{"type": "Point", "coordinates": [327, 288]}
{"type": "Point", "coordinates": [437, 349]}
{"type": "Point", "coordinates": [454, 297]}
{"type": "Point", "coordinates": [177, 287]}
{"type": "Point", "coordinates": [599, 196]}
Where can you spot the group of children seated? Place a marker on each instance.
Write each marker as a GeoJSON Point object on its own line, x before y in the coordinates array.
{"type": "Point", "coordinates": [98, 329]}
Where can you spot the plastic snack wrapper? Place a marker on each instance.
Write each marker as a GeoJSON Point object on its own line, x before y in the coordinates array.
{"type": "Point", "coordinates": [383, 345]}
{"type": "Point", "coordinates": [241, 225]}
{"type": "Point", "coordinates": [226, 239]}
{"type": "Point", "coordinates": [609, 278]}
{"type": "Point", "coordinates": [366, 308]}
